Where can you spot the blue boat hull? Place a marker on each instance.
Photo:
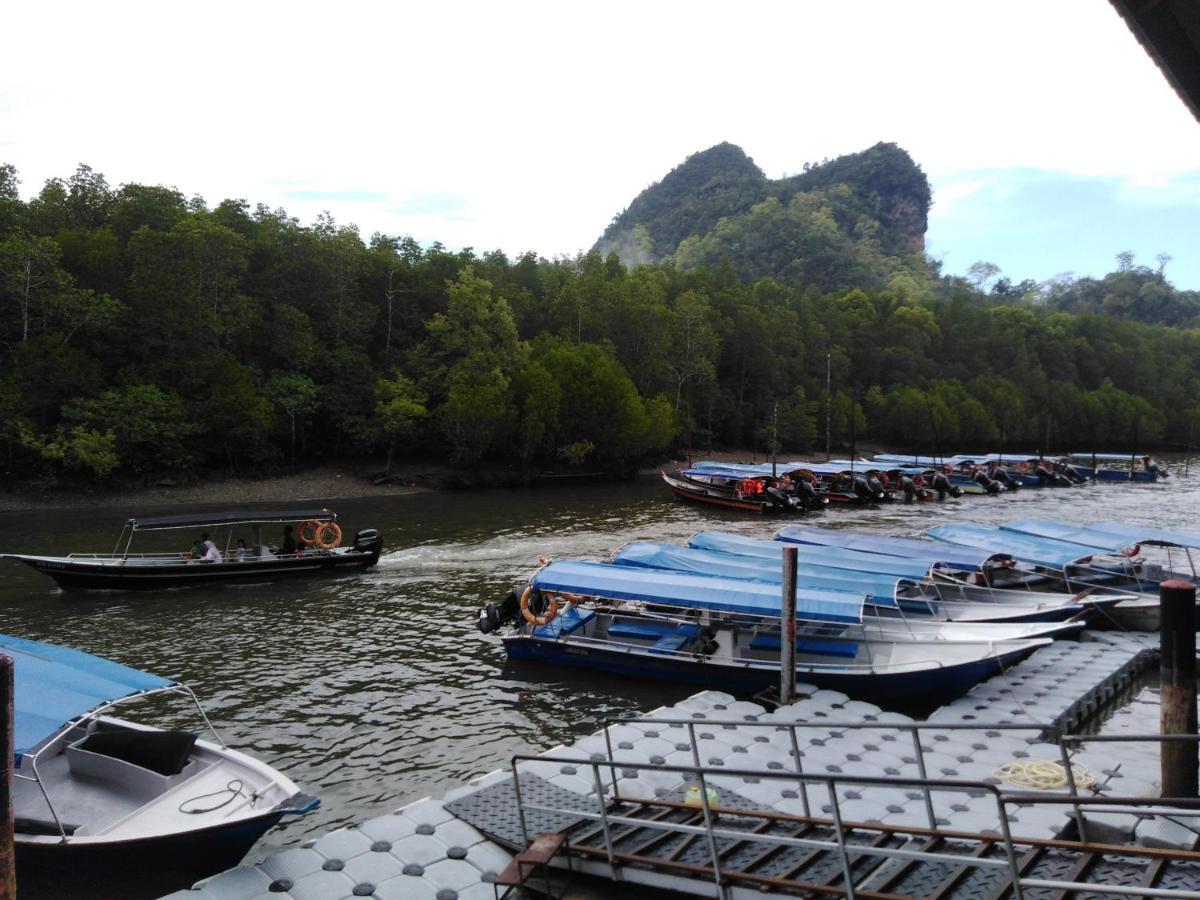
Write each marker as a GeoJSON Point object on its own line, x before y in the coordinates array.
{"type": "Point", "coordinates": [931, 687]}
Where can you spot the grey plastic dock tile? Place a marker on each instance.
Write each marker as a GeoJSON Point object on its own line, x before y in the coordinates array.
{"type": "Point", "coordinates": [293, 863]}
{"type": "Point", "coordinates": [237, 883]}
{"type": "Point", "coordinates": [321, 886]}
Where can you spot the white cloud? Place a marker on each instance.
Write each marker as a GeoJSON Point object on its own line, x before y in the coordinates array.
{"type": "Point", "coordinates": [548, 118]}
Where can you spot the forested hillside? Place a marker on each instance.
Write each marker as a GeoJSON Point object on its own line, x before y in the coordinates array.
{"type": "Point", "coordinates": [856, 221]}
{"type": "Point", "coordinates": [145, 333]}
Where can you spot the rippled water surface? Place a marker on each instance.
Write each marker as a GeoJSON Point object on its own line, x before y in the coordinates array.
{"type": "Point", "coordinates": [375, 689]}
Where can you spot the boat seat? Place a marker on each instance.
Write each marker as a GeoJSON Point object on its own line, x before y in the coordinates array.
{"type": "Point", "coordinates": [643, 631]}
{"type": "Point", "coordinates": [771, 641]}
{"type": "Point", "coordinates": [676, 640]}
{"type": "Point", "coordinates": [565, 623]}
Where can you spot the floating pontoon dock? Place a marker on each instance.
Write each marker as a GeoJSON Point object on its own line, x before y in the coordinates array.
{"type": "Point", "coordinates": [826, 797]}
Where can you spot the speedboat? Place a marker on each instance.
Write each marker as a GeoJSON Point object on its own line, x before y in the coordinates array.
{"type": "Point", "coordinates": [93, 792]}
{"type": "Point", "coordinates": [244, 561]}
{"type": "Point", "coordinates": [726, 633]}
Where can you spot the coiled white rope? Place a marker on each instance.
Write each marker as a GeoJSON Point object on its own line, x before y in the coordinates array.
{"type": "Point", "coordinates": [1043, 774]}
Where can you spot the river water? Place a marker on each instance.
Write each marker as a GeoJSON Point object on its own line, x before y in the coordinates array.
{"type": "Point", "coordinates": [375, 689]}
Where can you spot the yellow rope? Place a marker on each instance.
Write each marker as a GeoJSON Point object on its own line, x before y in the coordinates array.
{"type": "Point", "coordinates": [1043, 774]}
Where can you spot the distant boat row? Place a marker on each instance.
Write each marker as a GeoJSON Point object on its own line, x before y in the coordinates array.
{"type": "Point", "coordinates": [881, 618]}
{"type": "Point", "coordinates": [799, 486]}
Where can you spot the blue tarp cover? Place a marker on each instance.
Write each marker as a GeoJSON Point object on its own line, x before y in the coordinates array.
{"type": "Point", "coordinates": [1085, 536]}
{"type": "Point", "coordinates": [693, 591]}
{"type": "Point", "coordinates": [1037, 550]}
{"type": "Point", "coordinates": [1144, 534]}
{"type": "Point", "coordinates": [880, 589]}
{"type": "Point", "coordinates": [54, 685]}
{"type": "Point", "coordinates": [1109, 457]}
{"type": "Point", "coordinates": [830, 557]}
{"type": "Point", "coordinates": [906, 548]}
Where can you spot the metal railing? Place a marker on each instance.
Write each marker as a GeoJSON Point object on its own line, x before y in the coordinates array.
{"type": "Point", "coordinates": [723, 876]}
{"type": "Point", "coordinates": [914, 729]}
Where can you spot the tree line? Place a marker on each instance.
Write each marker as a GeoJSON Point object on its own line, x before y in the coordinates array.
{"type": "Point", "coordinates": [147, 333]}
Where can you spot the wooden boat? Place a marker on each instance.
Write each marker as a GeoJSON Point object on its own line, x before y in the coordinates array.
{"type": "Point", "coordinates": [257, 562]}
{"type": "Point", "coordinates": [749, 491]}
{"type": "Point", "coordinates": [726, 633]}
{"type": "Point", "coordinates": [92, 792]}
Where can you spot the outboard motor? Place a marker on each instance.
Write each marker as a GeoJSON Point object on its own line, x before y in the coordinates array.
{"type": "Point", "coordinates": [942, 485]}
{"type": "Point", "coordinates": [494, 615]}
{"type": "Point", "coordinates": [876, 487]}
{"type": "Point", "coordinates": [1000, 474]}
{"type": "Point", "coordinates": [1068, 471]}
{"type": "Point", "coordinates": [369, 541]}
{"type": "Point", "coordinates": [1154, 468]}
{"type": "Point", "coordinates": [806, 493]}
{"type": "Point", "coordinates": [909, 487]}
{"type": "Point", "coordinates": [992, 487]}
{"type": "Point", "coordinates": [862, 489]}
{"type": "Point", "coordinates": [777, 497]}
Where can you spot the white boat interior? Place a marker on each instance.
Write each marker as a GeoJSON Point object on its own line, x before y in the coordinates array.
{"type": "Point", "coordinates": [107, 779]}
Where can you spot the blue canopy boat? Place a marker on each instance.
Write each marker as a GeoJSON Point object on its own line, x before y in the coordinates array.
{"type": "Point", "coordinates": [830, 557]}
{"type": "Point", "coordinates": [725, 633]}
{"type": "Point", "coordinates": [887, 597]}
{"type": "Point", "coordinates": [318, 553]}
{"type": "Point", "coordinates": [91, 792]}
{"type": "Point", "coordinates": [1078, 565]}
{"type": "Point", "coordinates": [1119, 466]}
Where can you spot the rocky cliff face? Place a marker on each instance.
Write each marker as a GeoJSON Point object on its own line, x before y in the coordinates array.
{"type": "Point", "coordinates": [712, 204]}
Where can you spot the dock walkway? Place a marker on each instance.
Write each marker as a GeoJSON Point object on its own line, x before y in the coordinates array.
{"type": "Point", "coordinates": [811, 798]}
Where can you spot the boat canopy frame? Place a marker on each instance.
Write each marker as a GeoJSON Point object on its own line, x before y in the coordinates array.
{"type": "Point", "coordinates": [33, 754]}
{"type": "Point", "coordinates": [215, 520]}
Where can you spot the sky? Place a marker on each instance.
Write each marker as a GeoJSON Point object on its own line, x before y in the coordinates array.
{"type": "Point", "coordinates": [1051, 140]}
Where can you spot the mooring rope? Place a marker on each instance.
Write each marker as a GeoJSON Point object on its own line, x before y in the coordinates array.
{"type": "Point", "coordinates": [1043, 774]}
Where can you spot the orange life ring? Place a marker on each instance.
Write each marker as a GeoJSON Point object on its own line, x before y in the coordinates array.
{"type": "Point", "coordinates": [303, 532]}
{"type": "Point", "coordinates": [328, 536]}
{"type": "Point", "coordinates": [533, 619]}
{"type": "Point", "coordinates": [1132, 551]}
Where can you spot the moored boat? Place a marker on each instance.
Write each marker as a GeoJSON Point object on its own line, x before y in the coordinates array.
{"type": "Point", "coordinates": [1084, 557]}
{"type": "Point", "coordinates": [745, 488]}
{"type": "Point", "coordinates": [888, 596]}
{"type": "Point", "coordinates": [92, 792]}
{"type": "Point", "coordinates": [726, 633]}
{"type": "Point", "coordinates": [314, 550]}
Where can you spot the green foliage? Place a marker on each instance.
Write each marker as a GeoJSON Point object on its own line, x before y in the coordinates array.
{"type": "Point", "coordinates": [141, 332]}
{"type": "Point", "coordinates": [400, 405]}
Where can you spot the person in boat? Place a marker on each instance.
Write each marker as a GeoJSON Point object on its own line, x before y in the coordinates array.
{"type": "Point", "coordinates": [197, 551]}
{"type": "Point", "coordinates": [211, 553]}
{"type": "Point", "coordinates": [239, 554]}
{"type": "Point", "coordinates": [288, 547]}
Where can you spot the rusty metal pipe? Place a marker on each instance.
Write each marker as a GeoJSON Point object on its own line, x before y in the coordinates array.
{"type": "Point", "coordinates": [1179, 759]}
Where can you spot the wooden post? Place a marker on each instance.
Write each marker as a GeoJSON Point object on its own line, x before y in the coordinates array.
{"type": "Point", "coordinates": [8, 873]}
{"type": "Point", "coordinates": [787, 629]}
{"type": "Point", "coordinates": [1178, 711]}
